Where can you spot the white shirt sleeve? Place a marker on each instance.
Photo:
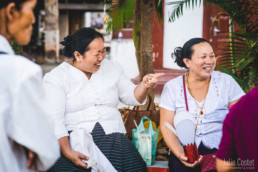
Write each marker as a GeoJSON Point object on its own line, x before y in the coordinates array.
{"type": "Point", "coordinates": [28, 123]}
{"type": "Point", "coordinates": [56, 103]}
{"type": "Point", "coordinates": [167, 99]}
{"type": "Point", "coordinates": [235, 91]}
{"type": "Point", "coordinates": [126, 90]}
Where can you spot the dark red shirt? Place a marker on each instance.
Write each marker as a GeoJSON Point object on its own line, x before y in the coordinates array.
{"type": "Point", "coordinates": [239, 143]}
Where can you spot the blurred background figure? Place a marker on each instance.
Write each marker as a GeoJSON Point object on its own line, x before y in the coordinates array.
{"type": "Point", "coordinates": [98, 22]}
{"type": "Point", "coordinates": [27, 139]}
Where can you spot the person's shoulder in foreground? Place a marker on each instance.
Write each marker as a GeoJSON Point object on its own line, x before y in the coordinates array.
{"type": "Point", "coordinates": [25, 122]}
{"type": "Point", "coordinates": [27, 138]}
{"type": "Point", "coordinates": [238, 146]}
{"type": "Point", "coordinates": [17, 67]}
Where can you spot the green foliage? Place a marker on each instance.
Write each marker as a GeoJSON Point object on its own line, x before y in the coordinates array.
{"type": "Point", "coordinates": [16, 48]}
{"type": "Point", "coordinates": [240, 11]}
{"type": "Point", "coordinates": [178, 8]}
{"type": "Point", "coordinates": [240, 57]}
{"type": "Point", "coordinates": [159, 9]}
{"type": "Point", "coordinates": [121, 12]}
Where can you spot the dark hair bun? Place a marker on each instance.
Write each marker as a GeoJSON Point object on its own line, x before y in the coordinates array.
{"type": "Point", "coordinates": [186, 52]}
{"type": "Point", "coordinates": [177, 55]}
{"type": "Point", "coordinates": [67, 43]}
{"type": "Point", "coordinates": [79, 41]}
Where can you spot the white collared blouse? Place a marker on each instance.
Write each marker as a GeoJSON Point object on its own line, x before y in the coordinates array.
{"type": "Point", "coordinates": [222, 91]}
{"type": "Point", "coordinates": [75, 101]}
{"type": "Point", "coordinates": [23, 119]}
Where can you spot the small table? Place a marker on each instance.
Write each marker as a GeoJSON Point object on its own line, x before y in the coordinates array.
{"type": "Point", "coordinates": [159, 166]}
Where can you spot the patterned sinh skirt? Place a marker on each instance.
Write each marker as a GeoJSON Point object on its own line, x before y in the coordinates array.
{"type": "Point", "coordinates": [116, 147]}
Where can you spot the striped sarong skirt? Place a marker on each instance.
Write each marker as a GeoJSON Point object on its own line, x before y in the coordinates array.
{"type": "Point", "coordinates": [118, 149]}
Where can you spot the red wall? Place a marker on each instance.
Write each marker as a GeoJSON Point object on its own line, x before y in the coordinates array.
{"type": "Point", "coordinates": [157, 42]}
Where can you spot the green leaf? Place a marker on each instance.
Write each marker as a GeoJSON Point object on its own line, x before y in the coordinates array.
{"type": "Point", "coordinates": [16, 48]}
{"type": "Point", "coordinates": [242, 83]}
{"type": "Point", "coordinates": [120, 11]}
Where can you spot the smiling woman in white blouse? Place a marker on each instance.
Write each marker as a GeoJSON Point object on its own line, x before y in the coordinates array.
{"type": "Point", "coordinates": [209, 95]}
{"type": "Point", "coordinates": [84, 93]}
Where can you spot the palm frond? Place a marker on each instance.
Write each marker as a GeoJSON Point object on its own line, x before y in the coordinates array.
{"type": "Point", "coordinates": [121, 12]}
{"type": "Point", "coordinates": [177, 7]}
{"type": "Point", "coordinates": [158, 10]}
{"type": "Point", "coordinates": [240, 11]}
{"type": "Point", "coordinates": [241, 60]}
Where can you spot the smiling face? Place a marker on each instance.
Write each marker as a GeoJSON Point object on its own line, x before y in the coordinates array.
{"type": "Point", "coordinates": [20, 22]}
{"type": "Point", "coordinates": [202, 62]}
{"type": "Point", "coordinates": [90, 61]}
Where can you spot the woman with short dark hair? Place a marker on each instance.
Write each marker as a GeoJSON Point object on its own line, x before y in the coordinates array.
{"type": "Point", "coordinates": [209, 95]}
{"type": "Point", "coordinates": [27, 138]}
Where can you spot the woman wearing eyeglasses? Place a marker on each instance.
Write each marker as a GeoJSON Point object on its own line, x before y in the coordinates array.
{"type": "Point", "coordinates": [84, 93]}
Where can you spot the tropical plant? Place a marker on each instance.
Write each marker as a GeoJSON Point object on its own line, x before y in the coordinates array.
{"type": "Point", "coordinates": [16, 48]}
{"type": "Point", "coordinates": [240, 57]}
{"type": "Point", "coordinates": [141, 12]}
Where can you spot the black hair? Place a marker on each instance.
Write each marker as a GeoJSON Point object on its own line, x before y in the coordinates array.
{"type": "Point", "coordinates": [186, 52]}
{"type": "Point", "coordinates": [18, 3]}
{"type": "Point", "coordinates": [79, 41]}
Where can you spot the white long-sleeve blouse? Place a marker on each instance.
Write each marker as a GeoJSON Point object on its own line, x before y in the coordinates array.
{"type": "Point", "coordinates": [75, 101]}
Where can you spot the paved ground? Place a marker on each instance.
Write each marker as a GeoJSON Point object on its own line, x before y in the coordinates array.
{"type": "Point", "coordinates": [46, 68]}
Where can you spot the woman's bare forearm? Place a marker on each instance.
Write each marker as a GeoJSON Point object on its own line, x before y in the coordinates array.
{"type": "Point", "coordinates": [148, 81]}
{"type": "Point", "coordinates": [140, 92]}
{"type": "Point", "coordinates": [172, 141]}
{"type": "Point", "coordinates": [170, 138]}
{"type": "Point", "coordinates": [65, 146]}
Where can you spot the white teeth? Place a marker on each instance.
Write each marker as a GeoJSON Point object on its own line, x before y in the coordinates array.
{"type": "Point", "coordinates": [97, 64]}
{"type": "Point", "coordinates": [207, 68]}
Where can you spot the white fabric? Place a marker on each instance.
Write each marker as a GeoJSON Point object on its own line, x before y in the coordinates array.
{"type": "Point", "coordinates": [223, 90]}
{"type": "Point", "coordinates": [82, 141]}
{"type": "Point", "coordinates": [23, 120]}
{"type": "Point", "coordinates": [74, 101]}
